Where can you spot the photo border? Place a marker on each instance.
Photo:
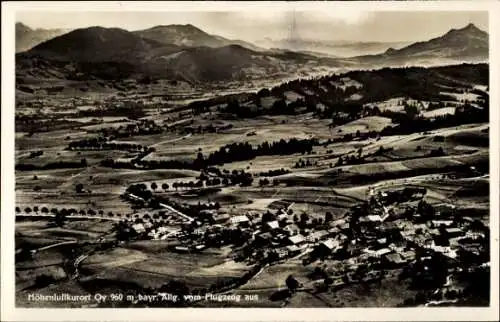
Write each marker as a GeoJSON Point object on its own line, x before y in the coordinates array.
{"type": "Point", "coordinates": [10, 313]}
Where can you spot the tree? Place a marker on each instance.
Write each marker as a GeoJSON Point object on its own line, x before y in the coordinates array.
{"type": "Point", "coordinates": [154, 186]}
{"type": "Point", "coordinates": [18, 210]}
{"type": "Point", "coordinates": [291, 283]}
{"type": "Point", "coordinates": [164, 186]}
{"type": "Point", "coordinates": [35, 209]}
{"type": "Point", "coordinates": [328, 217]}
{"type": "Point", "coordinates": [60, 218]}
{"type": "Point", "coordinates": [27, 210]}
{"type": "Point", "coordinates": [79, 188]}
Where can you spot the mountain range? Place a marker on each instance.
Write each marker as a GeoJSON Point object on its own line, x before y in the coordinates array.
{"type": "Point", "coordinates": [188, 53]}
{"type": "Point", "coordinates": [331, 48]}
{"type": "Point", "coordinates": [190, 36]}
{"type": "Point", "coordinates": [27, 38]}
{"type": "Point", "coordinates": [466, 44]}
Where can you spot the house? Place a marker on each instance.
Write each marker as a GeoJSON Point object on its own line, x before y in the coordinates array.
{"type": "Point", "coordinates": [332, 244]}
{"type": "Point", "coordinates": [408, 255]}
{"type": "Point", "coordinates": [338, 223]}
{"type": "Point", "coordinates": [241, 220]}
{"type": "Point", "coordinates": [207, 215]}
{"type": "Point", "coordinates": [422, 240]}
{"type": "Point", "coordinates": [264, 239]}
{"type": "Point", "coordinates": [393, 259]}
{"type": "Point", "coordinates": [374, 218]}
{"type": "Point", "coordinates": [474, 234]}
{"type": "Point", "coordinates": [282, 216]}
{"type": "Point", "coordinates": [281, 252]}
{"type": "Point", "coordinates": [293, 229]}
{"type": "Point", "coordinates": [381, 252]}
{"type": "Point", "coordinates": [434, 232]}
{"type": "Point", "coordinates": [293, 248]}
{"type": "Point", "coordinates": [316, 236]}
{"type": "Point", "coordinates": [407, 233]}
{"type": "Point", "coordinates": [388, 227]}
{"type": "Point", "coordinates": [454, 232]}
{"type": "Point", "coordinates": [273, 225]}
{"type": "Point", "coordinates": [382, 241]}
{"type": "Point", "coordinates": [162, 230]}
{"type": "Point", "coordinates": [297, 239]}
{"type": "Point", "coordinates": [221, 218]}
{"type": "Point", "coordinates": [327, 247]}
{"type": "Point", "coordinates": [438, 223]}
{"type": "Point", "coordinates": [344, 226]}
{"type": "Point", "coordinates": [139, 228]}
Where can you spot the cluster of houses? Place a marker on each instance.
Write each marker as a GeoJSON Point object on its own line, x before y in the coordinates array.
{"type": "Point", "coordinates": [383, 234]}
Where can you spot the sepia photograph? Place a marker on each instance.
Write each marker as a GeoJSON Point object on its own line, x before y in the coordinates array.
{"type": "Point", "coordinates": [299, 156]}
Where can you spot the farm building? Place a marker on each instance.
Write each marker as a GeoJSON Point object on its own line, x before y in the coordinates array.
{"type": "Point", "coordinates": [241, 220]}
{"type": "Point", "coordinates": [297, 240]}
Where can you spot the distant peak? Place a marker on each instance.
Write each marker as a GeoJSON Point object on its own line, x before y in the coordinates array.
{"type": "Point", "coordinates": [177, 26]}
{"type": "Point", "coordinates": [390, 50]}
{"type": "Point", "coordinates": [470, 26]}
{"type": "Point", "coordinates": [22, 26]}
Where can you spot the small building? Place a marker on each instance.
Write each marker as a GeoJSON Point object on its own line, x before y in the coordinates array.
{"type": "Point", "coordinates": [221, 218]}
{"type": "Point", "coordinates": [139, 228]}
{"type": "Point", "coordinates": [282, 216]}
{"type": "Point", "coordinates": [407, 233]}
{"type": "Point", "coordinates": [264, 238]}
{"type": "Point", "coordinates": [374, 218]}
{"type": "Point", "coordinates": [382, 241]}
{"type": "Point", "coordinates": [389, 226]}
{"type": "Point", "coordinates": [408, 255]}
{"type": "Point", "coordinates": [439, 223]}
{"type": "Point", "coordinates": [316, 236]}
{"type": "Point", "coordinates": [162, 230]}
{"type": "Point", "coordinates": [454, 232]}
{"type": "Point", "coordinates": [393, 259]}
{"type": "Point", "coordinates": [338, 222]}
{"type": "Point", "coordinates": [297, 240]}
{"type": "Point", "coordinates": [327, 247]}
{"type": "Point", "coordinates": [381, 252]}
{"type": "Point", "coordinates": [294, 250]}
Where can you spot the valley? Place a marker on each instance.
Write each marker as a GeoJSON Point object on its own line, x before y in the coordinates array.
{"type": "Point", "coordinates": [149, 165]}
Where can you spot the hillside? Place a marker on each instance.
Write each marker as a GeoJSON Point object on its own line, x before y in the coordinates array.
{"type": "Point", "coordinates": [189, 36]}
{"type": "Point", "coordinates": [97, 44]}
{"type": "Point", "coordinates": [112, 53]}
{"type": "Point", "coordinates": [27, 38]}
{"type": "Point", "coordinates": [468, 44]}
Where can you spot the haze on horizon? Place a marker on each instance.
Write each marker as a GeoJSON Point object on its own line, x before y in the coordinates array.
{"type": "Point", "coordinates": [354, 26]}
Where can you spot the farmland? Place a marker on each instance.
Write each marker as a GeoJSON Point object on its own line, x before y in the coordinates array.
{"type": "Point", "coordinates": [235, 194]}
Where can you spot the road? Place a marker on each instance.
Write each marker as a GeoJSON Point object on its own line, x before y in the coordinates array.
{"type": "Point", "coordinates": [55, 245]}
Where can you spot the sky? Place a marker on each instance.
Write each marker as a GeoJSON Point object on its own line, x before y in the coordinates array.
{"type": "Point", "coordinates": [346, 24]}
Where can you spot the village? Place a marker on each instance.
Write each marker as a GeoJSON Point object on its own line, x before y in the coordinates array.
{"type": "Point", "coordinates": [395, 229]}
